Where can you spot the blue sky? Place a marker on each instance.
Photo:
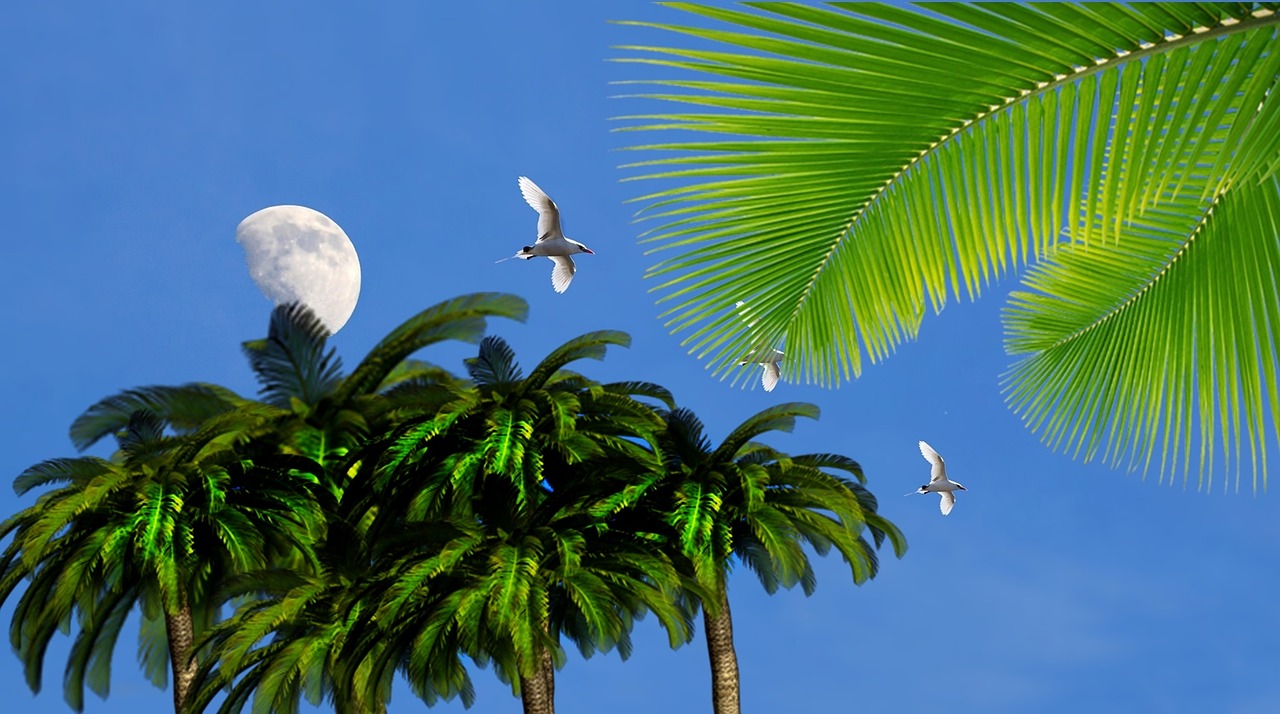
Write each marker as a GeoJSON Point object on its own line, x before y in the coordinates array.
{"type": "Point", "coordinates": [135, 140]}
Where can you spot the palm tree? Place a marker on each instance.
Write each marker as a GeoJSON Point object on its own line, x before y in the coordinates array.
{"type": "Point", "coordinates": [527, 471]}
{"type": "Point", "coordinates": [158, 526]}
{"type": "Point", "coordinates": [329, 418]}
{"type": "Point", "coordinates": [844, 168]}
{"type": "Point", "coordinates": [744, 501]}
{"type": "Point", "coordinates": [297, 634]}
{"type": "Point", "coordinates": [324, 413]}
{"type": "Point", "coordinates": [506, 593]}
{"type": "Point", "coordinates": [438, 519]}
{"type": "Point", "coordinates": [310, 411]}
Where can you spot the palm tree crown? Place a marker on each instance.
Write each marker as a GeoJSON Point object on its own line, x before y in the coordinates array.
{"type": "Point", "coordinates": [742, 500]}
{"type": "Point", "coordinates": [159, 527]}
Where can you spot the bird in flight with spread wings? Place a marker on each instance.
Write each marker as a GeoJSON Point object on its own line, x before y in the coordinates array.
{"type": "Point", "coordinates": [552, 242]}
{"type": "Point", "coordinates": [938, 481]}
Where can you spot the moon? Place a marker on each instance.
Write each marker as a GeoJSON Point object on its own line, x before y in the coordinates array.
{"type": "Point", "coordinates": [298, 254]}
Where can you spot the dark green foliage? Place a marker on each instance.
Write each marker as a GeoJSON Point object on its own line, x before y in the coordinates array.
{"type": "Point", "coordinates": [495, 365]}
{"type": "Point", "coordinates": [292, 362]}
{"type": "Point", "coordinates": [158, 526]}
{"type": "Point", "coordinates": [401, 520]}
{"type": "Point", "coordinates": [183, 408]}
{"type": "Point", "coordinates": [461, 318]}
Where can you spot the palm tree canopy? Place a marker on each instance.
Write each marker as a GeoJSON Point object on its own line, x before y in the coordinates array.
{"type": "Point", "coordinates": [844, 168]}
{"type": "Point", "coordinates": [311, 634]}
{"type": "Point", "coordinates": [183, 408]}
{"type": "Point", "coordinates": [493, 515]}
{"type": "Point", "coordinates": [296, 369]}
{"type": "Point", "coordinates": [743, 498]}
{"type": "Point", "coordinates": [159, 525]}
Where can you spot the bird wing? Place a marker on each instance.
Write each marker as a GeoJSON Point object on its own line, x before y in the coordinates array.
{"type": "Point", "coordinates": [939, 471]}
{"type": "Point", "coordinates": [770, 377]}
{"type": "Point", "coordinates": [948, 501]}
{"type": "Point", "coordinates": [763, 354]}
{"type": "Point", "coordinates": [548, 212]}
{"type": "Point", "coordinates": [562, 273]}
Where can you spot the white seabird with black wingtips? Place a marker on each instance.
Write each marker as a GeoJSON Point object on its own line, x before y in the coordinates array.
{"type": "Point", "coordinates": [551, 242]}
{"type": "Point", "coordinates": [938, 481]}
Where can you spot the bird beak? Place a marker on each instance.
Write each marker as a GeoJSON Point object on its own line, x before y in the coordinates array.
{"type": "Point", "coordinates": [588, 250]}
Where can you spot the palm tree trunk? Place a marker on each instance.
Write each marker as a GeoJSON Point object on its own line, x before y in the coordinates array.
{"type": "Point", "coordinates": [538, 693]}
{"type": "Point", "coordinates": [182, 637]}
{"type": "Point", "coordinates": [724, 659]}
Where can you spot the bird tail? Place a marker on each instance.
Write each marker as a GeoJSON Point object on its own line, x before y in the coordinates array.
{"type": "Point", "coordinates": [521, 254]}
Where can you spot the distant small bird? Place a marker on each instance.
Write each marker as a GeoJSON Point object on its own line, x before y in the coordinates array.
{"type": "Point", "coordinates": [765, 356]}
{"type": "Point", "coordinates": [938, 482]}
{"type": "Point", "coordinates": [551, 242]}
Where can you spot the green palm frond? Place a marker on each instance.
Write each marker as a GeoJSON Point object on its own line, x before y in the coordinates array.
{"type": "Point", "coordinates": [292, 361]}
{"type": "Point", "coordinates": [649, 390]}
{"type": "Point", "coordinates": [592, 345]}
{"type": "Point", "coordinates": [832, 461]}
{"type": "Point", "coordinates": [613, 408]}
{"type": "Point", "coordinates": [777, 549]}
{"type": "Point", "coordinates": [781, 417]}
{"type": "Point", "coordinates": [412, 371]}
{"type": "Point", "coordinates": [291, 645]}
{"type": "Point", "coordinates": [153, 645]}
{"type": "Point", "coordinates": [462, 318]}
{"type": "Point", "coordinates": [495, 365]}
{"type": "Point", "coordinates": [70, 470]}
{"type": "Point", "coordinates": [89, 661]}
{"type": "Point", "coordinates": [1107, 372]}
{"type": "Point", "coordinates": [844, 168]}
{"type": "Point", "coordinates": [182, 408]}
{"type": "Point", "coordinates": [686, 441]}
{"type": "Point", "coordinates": [143, 434]}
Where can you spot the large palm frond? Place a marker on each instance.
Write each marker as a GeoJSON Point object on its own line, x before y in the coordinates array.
{"type": "Point", "coordinates": [1106, 369]}
{"type": "Point", "coordinates": [591, 345]}
{"type": "Point", "coordinates": [495, 365]}
{"type": "Point", "coordinates": [183, 408]}
{"type": "Point", "coordinates": [842, 168]}
{"type": "Point", "coordinates": [291, 362]}
{"type": "Point", "coordinates": [461, 318]}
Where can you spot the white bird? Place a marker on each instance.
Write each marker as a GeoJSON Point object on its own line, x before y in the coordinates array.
{"type": "Point", "coordinates": [938, 481]}
{"type": "Point", "coordinates": [551, 242]}
{"type": "Point", "coordinates": [765, 356]}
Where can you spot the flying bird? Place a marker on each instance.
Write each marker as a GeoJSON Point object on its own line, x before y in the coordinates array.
{"type": "Point", "coordinates": [551, 242]}
{"type": "Point", "coordinates": [764, 355]}
{"type": "Point", "coordinates": [938, 481]}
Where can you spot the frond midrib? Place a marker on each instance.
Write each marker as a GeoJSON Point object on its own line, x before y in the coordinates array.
{"type": "Point", "coordinates": [1147, 284]}
{"type": "Point", "coordinates": [1261, 18]}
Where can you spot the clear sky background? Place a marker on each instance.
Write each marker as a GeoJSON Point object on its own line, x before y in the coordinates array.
{"type": "Point", "coordinates": [134, 140]}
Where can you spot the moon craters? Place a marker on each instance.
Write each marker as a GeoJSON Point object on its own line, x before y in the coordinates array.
{"type": "Point", "coordinates": [295, 253]}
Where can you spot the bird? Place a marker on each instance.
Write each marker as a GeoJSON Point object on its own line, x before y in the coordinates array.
{"type": "Point", "coordinates": [938, 481]}
{"type": "Point", "coordinates": [768, 357]}
{"type": "Point", "coordinates": [552, 242]}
